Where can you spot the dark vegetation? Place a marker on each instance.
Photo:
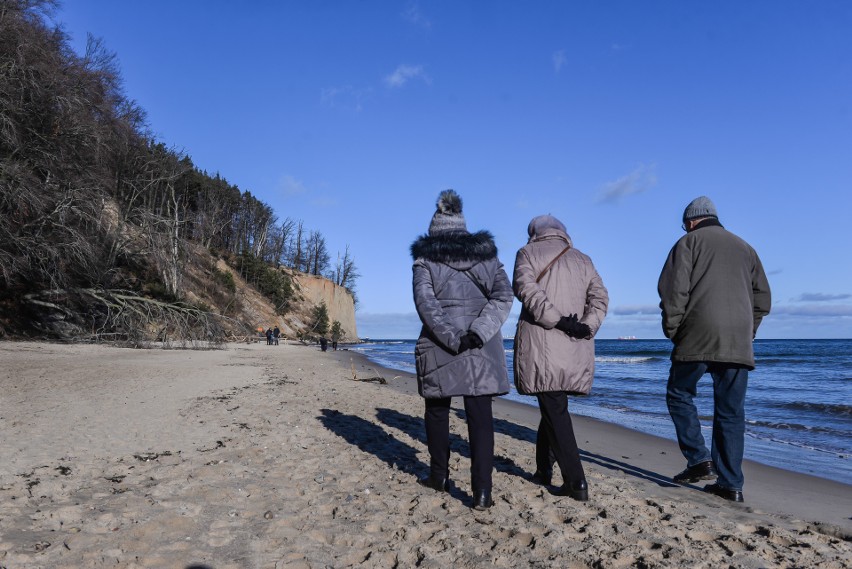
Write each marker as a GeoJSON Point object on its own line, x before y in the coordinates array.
{"type": "Point", "coordinates": [104, 229]}
{"type": "Point", "coordinates": [320, 319]}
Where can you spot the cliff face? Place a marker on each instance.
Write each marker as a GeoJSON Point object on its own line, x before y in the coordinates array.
{"type": "Point", "coordinates": [341, 305]}
{"type": "Point", "coordinates": [257, 312]}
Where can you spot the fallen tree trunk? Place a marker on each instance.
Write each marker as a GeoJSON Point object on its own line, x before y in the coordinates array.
{"type": "Point", "coordinates": [125, 318]}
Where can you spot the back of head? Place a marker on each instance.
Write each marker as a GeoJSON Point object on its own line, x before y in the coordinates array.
{"type": "Point", "coordinates": [698, 208]}
{"type": "Point", "coordinates": [542, 223]}
{"type": "Point", "coordinates": [448, 217]}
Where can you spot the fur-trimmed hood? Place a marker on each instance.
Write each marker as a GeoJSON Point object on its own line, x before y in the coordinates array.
{"type": "Point", "coordinates": [455, 247]}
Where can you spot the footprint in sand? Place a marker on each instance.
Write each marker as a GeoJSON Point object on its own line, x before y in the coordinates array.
{"type": "Point", "coordinates": [700, 535]}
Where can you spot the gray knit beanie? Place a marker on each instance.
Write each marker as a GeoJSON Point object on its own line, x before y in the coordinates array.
{"type": "Point", "coordinates": [699, 207]}
{"type": "Point", "coordinates": [448, 217]}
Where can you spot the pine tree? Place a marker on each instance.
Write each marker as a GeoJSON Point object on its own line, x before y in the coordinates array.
{"type": "Point", "coordinates": [320, 314]}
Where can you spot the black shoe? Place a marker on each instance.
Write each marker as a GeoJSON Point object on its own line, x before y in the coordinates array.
{"type": "Point", "coordinates": [701, 471]}
{"type": "Point", "coordinates": [726, 493]}
{"type": "Point", "coordinates": [439, 484]}
{"type": "Point", "coordinates": [482, 500]}
{"type": "Point", "coordinates": [577, 490]}
{"type": "Point", "coordinates": [543, 477]}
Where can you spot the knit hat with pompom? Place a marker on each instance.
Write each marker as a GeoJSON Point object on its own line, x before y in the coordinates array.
{"type": "Point", "coordinates": [448, 217]}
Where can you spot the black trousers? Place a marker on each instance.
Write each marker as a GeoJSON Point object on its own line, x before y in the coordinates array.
{"type": "Point", "coordinates": [555, 439]}
{"type": "Point", "coordinates": [480, 432]}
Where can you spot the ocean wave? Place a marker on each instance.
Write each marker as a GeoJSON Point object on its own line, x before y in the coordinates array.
{"type": "Point", "coordinates": [839, 453]}
{"type": "Point", "coordinates": [836, 409]}
{"type": "Point", "coordinates": [394, 364]}
{"type": "Point", "coordinates": [618, 407]}
{"type": "Point", "coordinates": [624, 359]}
{"type": "Point", "coordinates": [651, 353]}
{"type": "Point", "coordinates": [779, 426]}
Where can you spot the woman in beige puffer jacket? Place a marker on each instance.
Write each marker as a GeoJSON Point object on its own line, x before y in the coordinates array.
{"type": "Point", "coordinates": [564, 303]}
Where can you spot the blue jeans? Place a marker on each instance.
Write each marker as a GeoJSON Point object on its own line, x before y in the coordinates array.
{"type": "Point", "coordinates": [729, 389]}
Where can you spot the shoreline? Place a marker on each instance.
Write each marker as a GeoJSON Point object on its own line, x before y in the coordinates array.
{"type": "Point", "coordinates": [799, 443]}
{"type": "Point", "coordinates": [259, 457]}
{"type": "Point", "coordinates": [657, 459]}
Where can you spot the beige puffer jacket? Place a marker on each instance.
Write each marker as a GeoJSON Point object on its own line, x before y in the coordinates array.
{"type": "Point", "coordinates": [547, 359]}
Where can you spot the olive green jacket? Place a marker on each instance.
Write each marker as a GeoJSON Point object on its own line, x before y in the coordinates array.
{"type": "Point", "coordinates": [713, 295]}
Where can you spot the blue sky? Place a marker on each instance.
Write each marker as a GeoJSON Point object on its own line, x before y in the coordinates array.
{"type": "Point", "coordinates": [610, 115]}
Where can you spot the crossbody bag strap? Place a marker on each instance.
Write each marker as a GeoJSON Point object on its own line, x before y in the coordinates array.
{"type": "Point", "coordinates": [551, 263]}
{"type": "Point", "coordinates": [478, 284]}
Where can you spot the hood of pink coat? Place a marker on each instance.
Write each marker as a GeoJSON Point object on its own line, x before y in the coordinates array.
{"type": "Point", "coordinates": [544, 226]}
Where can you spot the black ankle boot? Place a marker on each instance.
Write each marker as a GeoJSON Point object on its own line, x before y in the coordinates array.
{"type": "Point", "coordinates": [440, 484]}
{"type": "Point", "coordinates": [543, 477]}
{"type": "Point", "coordinates": [482, 499]}
{"type": "Point", "coordinates": [577, 490]}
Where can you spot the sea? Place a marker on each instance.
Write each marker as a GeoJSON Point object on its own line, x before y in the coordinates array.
{"type": "Point", "coordinates": [798, 404]}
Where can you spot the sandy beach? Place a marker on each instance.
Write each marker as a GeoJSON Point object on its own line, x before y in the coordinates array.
{"type": "Point", "coordinates": [262, 456]}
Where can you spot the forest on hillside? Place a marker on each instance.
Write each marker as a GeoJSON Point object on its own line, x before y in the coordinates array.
{"type": "Point", "coordinates": [101, 225]}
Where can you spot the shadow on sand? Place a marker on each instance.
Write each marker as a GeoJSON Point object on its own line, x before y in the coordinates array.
{"type": "Point", "coordinates": [375, 440]}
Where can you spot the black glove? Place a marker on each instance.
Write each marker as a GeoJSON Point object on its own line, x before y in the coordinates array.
{"type": "Point", "coordinates": [572, 326]}
{"type": "Point", "coordinates": [469, 341]}
{"type": "Point", "coordinates": [581, 331]}
{"type": "Point", "coordinates": [566, 323]}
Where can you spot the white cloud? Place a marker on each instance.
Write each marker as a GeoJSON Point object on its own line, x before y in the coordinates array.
{"type": "Point", "coordinates": [820, 297]}
{"type": "Point", "coordinates": [819, 311]}
{"type": "Point", "coordinates": [559, 60]}
{"type": "Point", "coordinates": [291, 186]}
{"type": "Point", "coordinates": [404, 73]}
{"type": "Point", "coordinates": [510, 326]}
{"type": "Point", "coordinates": [414, 15]}
{"type": "Point", "coordinates": [388, 325]}
{"type": "Point", "coordinates": [346, 97]}
{"type": "Point", "coordinates": [324, 201]}
{"type": "Point", "coordinates": [637, 181]}
{"type": "Point", "coordinates": [625, 310]}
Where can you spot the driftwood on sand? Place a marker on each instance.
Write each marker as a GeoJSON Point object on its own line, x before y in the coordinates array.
{"type": "Point", "coordinates": [377, 378]}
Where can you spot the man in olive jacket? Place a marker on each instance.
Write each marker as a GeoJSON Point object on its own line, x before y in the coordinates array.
{"type": "Point", "coordinates": [713, 296]}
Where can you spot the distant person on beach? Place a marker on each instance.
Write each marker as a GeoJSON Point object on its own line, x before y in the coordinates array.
{"type": "Point", "coordinates": [564, 303]}
{"type": "Point", "coordinates": [269, 336]}
{"type": "Point", "coordinates": [276, 334]}
{"type": "Point", "coordinates": [323, 343]}
{"type": "Point", "coordinates": [713, 294]}
{"type": "Point", "coordinates": [463, 297]}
